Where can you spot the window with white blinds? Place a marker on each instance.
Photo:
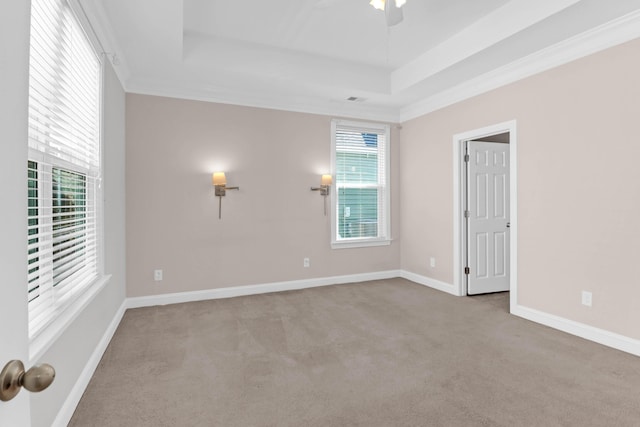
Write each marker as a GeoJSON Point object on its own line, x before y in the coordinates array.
{"type": "Point", "coordinates": [360, 214]}
{"type": "Point", "coordinates": [64, 162]}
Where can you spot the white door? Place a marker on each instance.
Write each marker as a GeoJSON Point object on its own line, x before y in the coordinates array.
{"type": "Point", "coordinates": [487, 217]}
{"type": "Point", "coordinates": [13, 297]}
{"type": "Point", "coordinates": [14, 51]}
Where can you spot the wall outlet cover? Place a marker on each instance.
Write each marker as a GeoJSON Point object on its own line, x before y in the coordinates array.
{"type": "Point", "coordinates": [587, 298]}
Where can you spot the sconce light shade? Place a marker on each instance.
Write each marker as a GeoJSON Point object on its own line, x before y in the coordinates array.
{"type": "Point", "coordinates": [326, 180]}
{"type": "Point", "coordinates": [219, 178]}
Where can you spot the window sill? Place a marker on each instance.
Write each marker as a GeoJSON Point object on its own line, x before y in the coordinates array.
{"type": "Point", "coordinates": [360, 243]}
{"type": "Point", "coordinates": [50, 334]}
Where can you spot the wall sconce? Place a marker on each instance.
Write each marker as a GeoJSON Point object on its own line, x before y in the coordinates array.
{"type": "Point", "coordinates": [324, 189]}
{"type": "Point", "coordinates": [220, 184]}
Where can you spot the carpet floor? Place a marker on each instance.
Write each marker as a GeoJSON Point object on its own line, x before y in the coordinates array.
{"type": "Point", "coordinates": [381, 353]}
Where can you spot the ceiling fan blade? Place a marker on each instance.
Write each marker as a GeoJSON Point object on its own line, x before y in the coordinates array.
{"type": "Point", "coordinates": [392, 13]}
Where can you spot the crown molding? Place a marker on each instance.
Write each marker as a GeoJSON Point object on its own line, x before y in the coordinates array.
{"type": "Point", "coordinates": [502, 23]}
{"type": "Point", "coordinates": [333, 108]}
{"type": "Point", "coordinates": [607, 35]}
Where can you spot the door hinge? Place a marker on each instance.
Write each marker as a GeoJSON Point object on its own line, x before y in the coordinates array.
{"type": "Point", "coordinates": [467, 214]}
{"type": "Point", "coordinates": [466, 270]}
{"type": "Point", "coordinates": [466, 158]}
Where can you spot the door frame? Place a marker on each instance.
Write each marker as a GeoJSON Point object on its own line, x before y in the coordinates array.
{"type": "Point", "coordinates": [459, 223]}
{"type": "Point", "coordinates": [14, 86]}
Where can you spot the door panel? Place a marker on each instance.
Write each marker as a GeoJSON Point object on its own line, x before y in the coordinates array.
{"type": "Point", "coordinates": [482, 182]}
{"type": "Point", "coordinates": [487, 223]}
{"type": "Point", "coordinates": [499, 244]}
{"type": "Point", "coordinates": [481, 258]}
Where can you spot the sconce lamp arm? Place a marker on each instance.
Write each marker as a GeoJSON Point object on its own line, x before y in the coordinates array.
{"type": "Point", "coordinates": [221, 190]}
{"type": "Point", "coordinates": [323, 189]}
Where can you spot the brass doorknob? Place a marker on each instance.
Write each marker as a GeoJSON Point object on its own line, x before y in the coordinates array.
{"type": "Point", "coordinates": [13, 377]}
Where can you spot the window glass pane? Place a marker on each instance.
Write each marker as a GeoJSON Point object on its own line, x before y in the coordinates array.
{"type": "Point", "coordinates": [69, 223]}
{"type": "Point", "coordinates": [357, 167]}
{"type": "Point", "coordinates": [357, 212]}
{"type": "Point", "coordinates": [33, 230]}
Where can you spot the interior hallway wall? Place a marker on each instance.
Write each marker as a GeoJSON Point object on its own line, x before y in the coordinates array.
{"type": "Point", "coordinates": [267, 227]}
{"type": "Point", "coordinates": [578, 186]}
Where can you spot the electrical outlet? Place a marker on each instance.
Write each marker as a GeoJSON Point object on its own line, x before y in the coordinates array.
{"type": "Point", "coordinates": [306, 262]}
{"type": "Point", "coordinates": [587, 298]}
{"type": "Point", "coordinates": [432, 262]}
{"type": "Point", "coordinates": [157, 275]}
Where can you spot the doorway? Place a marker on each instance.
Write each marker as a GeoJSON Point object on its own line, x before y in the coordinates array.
{"type": "Point", "coordinates": [485, 210]}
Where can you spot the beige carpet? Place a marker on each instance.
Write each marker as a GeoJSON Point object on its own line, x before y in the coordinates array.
{"type": "Point", "coordinates": [383, 353]}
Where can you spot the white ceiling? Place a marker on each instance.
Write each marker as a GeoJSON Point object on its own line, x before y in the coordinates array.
{"type": "Point", "coordinates": [311, 55]}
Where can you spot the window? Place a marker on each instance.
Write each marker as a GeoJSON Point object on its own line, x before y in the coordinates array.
{"type": "Point", "coordinates": [360, 158]}
{"type": "Point", "coordinates": [64, 163]}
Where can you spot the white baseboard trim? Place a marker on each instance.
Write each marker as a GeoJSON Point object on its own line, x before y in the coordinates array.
{"type": "Point", "coordinates": [601, 336]}
{"type": "Point", "coordinates": [236, 291]}
{"type": "Point", "coordinates": [428, 281]}
{"type": "Point", "coordinates": [70, 404]}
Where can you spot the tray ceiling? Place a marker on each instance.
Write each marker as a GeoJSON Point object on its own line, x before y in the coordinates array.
{"type": "Point", "coordinates": [312, 55]}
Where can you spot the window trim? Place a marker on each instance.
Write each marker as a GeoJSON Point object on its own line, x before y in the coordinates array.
{"type": "Point", "coordinates": [39, 344]}
{"type": "Point", "coordinates": [380, 128]}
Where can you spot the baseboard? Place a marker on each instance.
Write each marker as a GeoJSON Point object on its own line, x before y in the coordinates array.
{"type": "Point", "coordinates": [428, 281]}
{"type": "Point", "coordinates": [601, 336]}
{"type": "Point", "coordinates": [236, 291]}
{"type": "Point", "coordinates": [70, 404]}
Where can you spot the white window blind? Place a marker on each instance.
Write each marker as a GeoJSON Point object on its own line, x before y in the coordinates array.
{"type": "Point", "coordinates": [361, 200]}
{"type": "Point", "coordinates": [64, 162]}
